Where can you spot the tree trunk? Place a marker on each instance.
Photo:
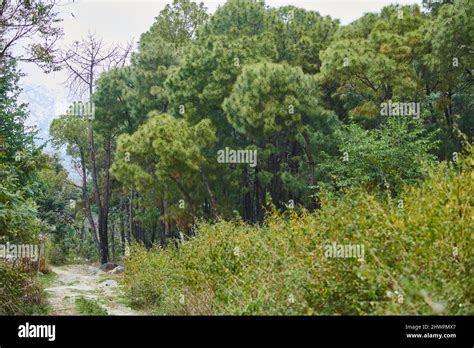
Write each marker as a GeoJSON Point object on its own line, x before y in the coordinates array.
{"type": "Point", "coordinates": [311, 164]}
{"type": "Point", "coordinates": [130, 217]}
{"type": "Point", "coordinates": [106, 198]}
{"type": "Point", "coordinates": [185, 193]}
{"type": "Point", "coordinates": [122, 233]}
{"type": "Point", "coordinates": [163, 227]}
{"type": "Point", "coordinates": [153, 232]}
{"type": "Point", "coordinates": [112, 240]}
{"type": "Point", "coordinates": [247, 203]}
{"type": "Point", "coordinates": [309, 156]}
{"type": "Point", "coordinates": [85, 197]}
{"type": "Point", "coordinates": [259, 198]}
{"type": "Point", "coordinates": [103, 238]}
{"type": "Point", "coordinates": [212, 197]}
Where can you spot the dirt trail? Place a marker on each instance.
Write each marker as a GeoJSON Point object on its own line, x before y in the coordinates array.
{"type": "Point", "coordinates": [90, 282]}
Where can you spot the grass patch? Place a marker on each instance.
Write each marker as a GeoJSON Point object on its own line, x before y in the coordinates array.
{"type": "Point", "coordinates": [89, 307]}
{"type": "Point", "coordinates": [47, 280]}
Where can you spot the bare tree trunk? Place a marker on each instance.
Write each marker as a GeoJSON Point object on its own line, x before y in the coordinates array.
{"type": "Point", "coordinates": [85, 198]}
{"type": "Point", "coordinates": [103, 237]}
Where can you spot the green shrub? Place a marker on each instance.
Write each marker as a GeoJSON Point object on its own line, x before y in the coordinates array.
{"type": "Point", "coordinates": [20, 294]}
{"type": "Point", "coordinates": [388, 157]}
{"type": "Point", "coordinates": [89, 307]}
{"type": "Point", "coordinates": [418, 258]}
{"type": "Point", "coordinates": [55, 254]}
{"type": "Point", "coordinates": [69, 247]}
{"type": "Point", "coordinates": [18, 212]}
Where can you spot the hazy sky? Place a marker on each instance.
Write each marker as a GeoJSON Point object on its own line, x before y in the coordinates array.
{"type": "Point", "coordinates": [118, 21]}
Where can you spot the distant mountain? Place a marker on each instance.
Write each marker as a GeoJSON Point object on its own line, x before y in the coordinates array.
{"type": "Point", "coordinates": [45, 104]}
{"type": "Point", "coordinates": [41, 106]}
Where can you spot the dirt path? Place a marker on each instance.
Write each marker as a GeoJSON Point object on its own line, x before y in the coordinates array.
{"type": "Point", "coordinates": [74, 281]}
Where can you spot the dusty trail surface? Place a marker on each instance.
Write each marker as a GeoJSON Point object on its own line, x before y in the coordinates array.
{"type": "Point", "coordinates": [74, 281]}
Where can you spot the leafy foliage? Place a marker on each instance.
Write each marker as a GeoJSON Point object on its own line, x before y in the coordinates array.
{"type": "Point", "coordinates": [281, 267]}
{"type": "Point", "coordinates": [89, 307]}
{"type": "Point", "coordinates": [385, 158]}
{"type": "Point", "coordinates": [179, 21]}
{"type": "Point", "coordinates": [305, 94]}
{"type": "Point", "coordinates": [20, 294]}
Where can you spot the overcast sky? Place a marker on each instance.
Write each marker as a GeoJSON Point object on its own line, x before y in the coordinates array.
{"type": "Point", "coordinates": [118, 21]}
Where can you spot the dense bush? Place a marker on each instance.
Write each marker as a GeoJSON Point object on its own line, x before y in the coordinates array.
{"type": "Point", "coordinates": [418, 257]}
{"type": "Point", "coordinates": [388, 157]}
{"type": "Point", "coordinates": [20, 294]}
{"type": "Point", "coordinates": [18, 212]}
{"type": "Point", "coordinates": [71, 247]}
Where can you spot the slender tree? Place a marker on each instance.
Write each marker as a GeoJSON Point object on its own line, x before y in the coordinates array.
{"type": "Point", "coordinates": [85, 61]}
